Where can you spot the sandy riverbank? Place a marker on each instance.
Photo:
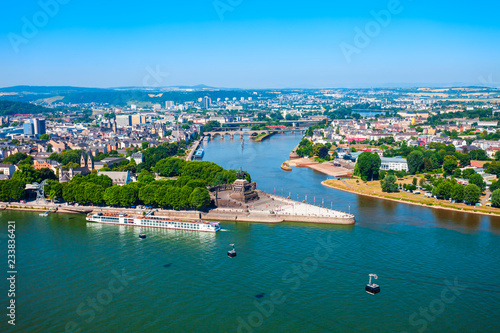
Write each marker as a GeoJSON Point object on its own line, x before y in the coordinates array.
{"type": "Point", "coordinates": [326, 168]}
{"type": "Point", "coordinates": [350, 185]}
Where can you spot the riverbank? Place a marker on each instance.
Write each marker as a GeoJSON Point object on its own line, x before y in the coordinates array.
{"type": "Point", "coordinates": [373, 190]}
{"type": "Point", "coordinates": [327, 168]}
{"type": "Point", "coordinates": [267, 209]}
{"type": "Point", "coordinates": [262, 137]}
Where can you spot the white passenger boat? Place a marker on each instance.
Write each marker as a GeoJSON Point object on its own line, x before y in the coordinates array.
{"type": "Point", "coordinates": [153, 222]}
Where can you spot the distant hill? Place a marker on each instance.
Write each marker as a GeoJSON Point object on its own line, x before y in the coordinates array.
{"type": "Point", "coordinates": [11, 108]}
{"type": "Point", "coordinates": [125, 96]}
{"type": "Point", "coordinates": [55, 90]}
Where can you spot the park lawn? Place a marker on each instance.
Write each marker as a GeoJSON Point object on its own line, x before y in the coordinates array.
{"type": "Point", "coordinates": [373, 189]}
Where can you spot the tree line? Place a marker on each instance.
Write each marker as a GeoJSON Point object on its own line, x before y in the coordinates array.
{"type": "Point", "coordinates": [186, 187]}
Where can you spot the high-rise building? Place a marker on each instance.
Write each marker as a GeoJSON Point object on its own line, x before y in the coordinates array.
{"type": "Point", "coordinates": [205, 104]}
{"type": "Point", "coordinates": [39, 126]}
{"type": "Point", "coordinates": [124, 120]}
{"type": "Point", "coordinates": [169, 104]}
{"type": "Point", "coordinates": [29, 129]}
{"type": "Point", "coordinates": [138, 119]}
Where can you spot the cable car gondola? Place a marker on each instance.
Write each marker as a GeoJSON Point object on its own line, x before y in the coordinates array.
{"type": "Point", "coordinates": [231, 253]}
{"type": "Point", "coordinates": [372, 288]}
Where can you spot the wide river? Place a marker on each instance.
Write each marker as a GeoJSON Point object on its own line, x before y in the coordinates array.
{"type": "Point", "coordinates": [438, 270]}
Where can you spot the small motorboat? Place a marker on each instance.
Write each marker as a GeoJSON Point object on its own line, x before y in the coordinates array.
{"type": "Point", "coordinates": [231, 253]}
{"type": "Point", "coordinates": [141, 235]}
{"type": "Point", "coordinates": [372, 288]}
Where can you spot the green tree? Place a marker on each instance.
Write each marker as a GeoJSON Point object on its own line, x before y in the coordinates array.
{"type": "Point", "coordinates": [472, 193]}
{"type": "Point", "coordinates": [5, 190]}
{"type": "Point", "coordinates": [457, 193]}
{"type": "Point", "coordinates": [15, 158]}
{"type": "Point", "coordinates": [47, 173]}
{"type": "Point", "coordinates": [367, 165]}
{"type": "Point", "coordinates": [478, 155]}
{"type": "Point", "coordinates": [464, 160]}
{"type": "Point", "coordinates": [323, 152]}
{"type": "Point", "coordinates": [493, 168]}
{"type": "Point", "coordinates": [54, 189]}
{"type": "Point", "coordinates": [161, 196]}
{"type": "Point", "coordinates": [450, 149]}
{"type": "Point", "coordinates": [388, 184]}
{"type": "Point", "coordinates": [199, 199]}
{"type": "Point", "coordinates": [494, 186]}
{"type": "Point", "coordinates": [27, 174]}
{"type": "Point", "coordinates": [69, 192]}
{"type": "Point", "coordinates": [129, 194]}
{"type": "Point", "coordinates": [67, 156]}
{"type": "Point", "coordinates": [93, 193]}
{"type": "Point", "coordinates": [467, 173]}
{"type": "Point", "coordinates": [428, 166]}
{"type": "Point", "coordinates": [478, 180]}
{"type": "Point", "coordinates": [184, 196]}
{"type": "Point", "coordinates": [145, 145]}
{"type": "Point", "coordinates": [145, 177]}
{"type": "Point", "coordinates": [201, 170]}
{"type": "Point", "coordinates": [11, 189]}
{"type": "Point", "coordinates": [44, 137]}
{"type": "Point", "coordinates": [497, 155]}
{"type": "Point", "coordinates": [444, 189]}
{"type": "Point", "coordinates": [112, 195]}
{"type": "Point", "coordinates": [147, 194]}
{"type": "Point", "coordinates": [169, 167]}
{"type": "Point", "coordinates": [449, 164]}
{"type": "Point", "coordinates": [495, 198]}
{"type": "Point", "coordinates": [173, 198]}
{"type": "Point", "coordinates": [415, 161]}
{"type": "Point", "coordinates": [17, 191]}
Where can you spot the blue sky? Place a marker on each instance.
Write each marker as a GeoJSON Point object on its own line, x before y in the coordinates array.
{"type": "Point", "coordinates": [249, 43]}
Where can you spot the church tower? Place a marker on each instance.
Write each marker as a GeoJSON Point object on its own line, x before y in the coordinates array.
{"type": "Point", "coordinates": [90, 161]}
{"type": "Point", "coordinates": [82, 160]}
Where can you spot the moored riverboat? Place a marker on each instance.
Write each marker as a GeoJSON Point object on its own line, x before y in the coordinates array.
{"type": "Point", "coordinates": [153, 222]}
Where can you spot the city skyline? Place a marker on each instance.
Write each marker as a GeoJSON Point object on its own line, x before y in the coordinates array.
{"type": "Point", "coordinates": [250, 45]}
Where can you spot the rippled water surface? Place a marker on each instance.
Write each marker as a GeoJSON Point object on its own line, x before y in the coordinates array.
{"type": "Point", "coordinates": [286, 278]}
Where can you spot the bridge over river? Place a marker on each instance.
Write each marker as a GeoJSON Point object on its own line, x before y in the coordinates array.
{"type": "Point", "coordinates": [242, 132]}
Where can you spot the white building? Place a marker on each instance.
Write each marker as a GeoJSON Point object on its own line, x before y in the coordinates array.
{"type": "Point", "coordinates": [123, 120]}
{"type": "Point", "coordinates": [118, 177]}
{"type": "Point", "coordinates": [393, 163]}
{"type": "Point", "coordinates": [7, 169]}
